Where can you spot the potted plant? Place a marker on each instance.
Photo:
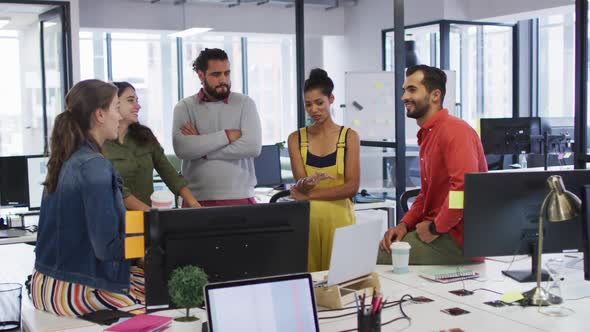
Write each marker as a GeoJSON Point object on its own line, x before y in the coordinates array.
{"type": "Point", "coordinates": [186, 289]}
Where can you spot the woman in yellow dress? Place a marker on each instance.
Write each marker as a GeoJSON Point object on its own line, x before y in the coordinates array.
{"type": "Point", "coordinates": [325, 163]}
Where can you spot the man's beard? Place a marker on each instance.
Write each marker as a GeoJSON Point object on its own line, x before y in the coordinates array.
{"type": "Point", "coordinates": [213, 92]}
{"type": "Point", "coordinates": [419, 111]}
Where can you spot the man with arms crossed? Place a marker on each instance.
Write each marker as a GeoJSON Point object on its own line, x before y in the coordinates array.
{"type": "Point", "coordinates": [449, 148]}
{"type": "Point", "coordinates": [217, 135]}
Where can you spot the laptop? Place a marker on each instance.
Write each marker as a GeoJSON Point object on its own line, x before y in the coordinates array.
{"type": "Point", "coordinates": [354, 251]}
{"type": "Point", "coordinates": [279, 303]}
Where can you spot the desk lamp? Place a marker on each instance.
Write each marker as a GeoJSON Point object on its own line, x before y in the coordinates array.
{"type": "Point", "coordinates": [558, 205]}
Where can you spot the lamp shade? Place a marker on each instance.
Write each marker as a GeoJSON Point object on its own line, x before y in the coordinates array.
{"type": "Point", "coordinates": [561, 204]}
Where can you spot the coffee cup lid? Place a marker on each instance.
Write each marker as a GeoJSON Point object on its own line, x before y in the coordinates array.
{"type": "Point", "coordinates": [400, 245]}
{"type": "Point", "coordinates": [162, 196]}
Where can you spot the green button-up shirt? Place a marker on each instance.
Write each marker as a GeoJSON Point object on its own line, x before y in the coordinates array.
{"type": "Point", "coordinates": [136, 165]}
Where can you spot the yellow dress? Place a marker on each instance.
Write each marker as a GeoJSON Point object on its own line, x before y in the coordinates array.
{"type": "Point", "coordinates": [326, 216]}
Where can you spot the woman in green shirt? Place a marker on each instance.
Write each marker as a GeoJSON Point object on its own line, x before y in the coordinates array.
{"type": "Point", "coordinates": [137, 152]}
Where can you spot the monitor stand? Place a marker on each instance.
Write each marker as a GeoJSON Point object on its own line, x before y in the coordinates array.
{"type": "Point", "coordinates": [528, 275]}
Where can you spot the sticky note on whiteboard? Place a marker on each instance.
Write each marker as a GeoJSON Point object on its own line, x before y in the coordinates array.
{"type": "Point", "coordinates": [356, 122]}
{"type": "Point", "coordinates": [378, 85]}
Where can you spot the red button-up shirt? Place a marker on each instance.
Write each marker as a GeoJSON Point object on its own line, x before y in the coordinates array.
{"type": "Point", "coordinates": [449, 148]}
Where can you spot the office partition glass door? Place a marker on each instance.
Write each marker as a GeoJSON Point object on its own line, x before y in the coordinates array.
{"type": "Point", "coordinates": [54, 66]}
{"type": "Point", "coordinates": [427, 46]}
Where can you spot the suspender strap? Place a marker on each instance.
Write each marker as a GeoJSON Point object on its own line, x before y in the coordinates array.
{"type": "Point", "coordinates": [340, 151]}
{"type": "Point", "coordinates": [303, 144]}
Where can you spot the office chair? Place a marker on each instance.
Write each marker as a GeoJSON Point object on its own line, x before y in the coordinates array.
{"type": "Point", "coordinates": [407, 195]}
{"type": "Point", "coordinates": [279, 195]}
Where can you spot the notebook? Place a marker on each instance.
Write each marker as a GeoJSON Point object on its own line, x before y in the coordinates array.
{"type": "Point", "coordinates": [279, 303]}
{"type": "Point", "coordinates": [354, 251]}
{"type": "Point", "coordinates": [142, 323]}
{"type": "Point", "coordinates": [447, 275]}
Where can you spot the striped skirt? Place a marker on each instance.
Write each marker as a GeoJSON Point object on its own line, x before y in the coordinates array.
{"type": "Point", "coordinates": [68, 299]}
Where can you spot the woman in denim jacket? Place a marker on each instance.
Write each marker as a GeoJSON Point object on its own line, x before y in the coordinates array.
{"type": "Point", "coordinates": [80, 266]}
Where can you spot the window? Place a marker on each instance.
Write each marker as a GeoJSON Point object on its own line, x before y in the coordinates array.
{"type": "Point", "coordinates": [427, 43]}
{"type": "Point", "coordinates": [21, 128]}
{"type": "Point", "coordinates": [148, 62]}
{"type": "Point", "coordinates": [481, 55]}
{"type": "Point", "coordinates": [93, 60]}
{"type": "Point", "coordinates": [271, 83]}
{"type": "Point", "coordinates": [556, 65]}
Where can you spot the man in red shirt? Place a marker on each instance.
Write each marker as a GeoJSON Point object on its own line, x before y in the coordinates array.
{"type": "Point", "coordinates": [449, 148]}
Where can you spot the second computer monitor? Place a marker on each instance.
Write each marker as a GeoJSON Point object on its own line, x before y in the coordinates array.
{"type": "Point", "coordinates": [36, 174]}
{"type": "Point", "coordinates": [510, 135]}
{"type": "Point", "coordinates": [502, 211]}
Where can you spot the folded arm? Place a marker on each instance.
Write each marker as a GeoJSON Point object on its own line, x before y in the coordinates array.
{"type": "Point", "coordinates": [250, 142]}
{"type": "Point", "coordinates": [190, 147]}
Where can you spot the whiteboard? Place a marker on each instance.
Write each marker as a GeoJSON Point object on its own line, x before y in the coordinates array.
{"type": "Point", "coordinates": [370, 105]}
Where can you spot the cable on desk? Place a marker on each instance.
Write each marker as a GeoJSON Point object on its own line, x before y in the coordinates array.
{"type": "Point", "coordinates": [579, 298]}
{"type": "Point", "coordinates": [405, 316]}
{"type": "Point", "coordinates": [487, 290]}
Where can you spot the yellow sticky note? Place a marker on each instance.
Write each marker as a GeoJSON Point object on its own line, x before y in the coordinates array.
{"type": "Point", "coordinates": [134, 222]}
{"type": "Point", "coordinates": [567, 154]}
{"type": "Point", "coordinates": [455, 199]}
{"type": "Point", "coordinates": [378, 85]}
{"type": "Point", "coordinates": [511, 296]}
{"type": "Point", "coordinates": [134, 247]}
{"type": "Point", "coordinates": [356, 122]}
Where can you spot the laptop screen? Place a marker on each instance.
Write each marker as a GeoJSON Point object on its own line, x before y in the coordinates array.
{"type": "Point", "coordinates": [283, 303]}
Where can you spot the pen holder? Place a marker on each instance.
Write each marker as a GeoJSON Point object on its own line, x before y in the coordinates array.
{"type": "Point", "coordinates": [368, 323]}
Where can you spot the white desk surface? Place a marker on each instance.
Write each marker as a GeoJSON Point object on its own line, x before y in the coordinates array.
{"type": "Point", "coordinates": [20, 239]}
{"type": "Point", "coordinates": [17, 262]}
{"type": "Point", "coordinates": [263, 195]}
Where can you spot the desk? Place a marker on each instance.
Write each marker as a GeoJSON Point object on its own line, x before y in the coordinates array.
{"type": "Point", "coordinates": [19, 239]}
{"type": "Point", "coordinates": [425, 317]}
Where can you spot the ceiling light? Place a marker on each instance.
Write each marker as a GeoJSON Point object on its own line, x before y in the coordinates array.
{"type": "Point", "coordinates": [190, 32]}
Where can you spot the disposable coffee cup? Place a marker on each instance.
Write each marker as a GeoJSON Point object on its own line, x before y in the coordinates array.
{"type": "Point", "coordinates": [400, 256]}
{"type": "Point", "coordinates": [162, 199]}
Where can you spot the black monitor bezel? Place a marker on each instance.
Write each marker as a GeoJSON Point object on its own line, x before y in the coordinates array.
{"type": "Point", "coordinates": [156, 229]}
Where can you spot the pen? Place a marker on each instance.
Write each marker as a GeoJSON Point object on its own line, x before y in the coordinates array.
{"type": "Point", "coordinates": [356, 300]}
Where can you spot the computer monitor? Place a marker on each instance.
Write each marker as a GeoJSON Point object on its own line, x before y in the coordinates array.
{"type": "Point", "coordinates": [510, 135]}
{"type": "Point", "coordinates": [13, 182]}
{"type": "Point", "coordinates": [268, 167]}
{"type": "Point", "coordinates": [227, 242]}
{"type": "Point", "coordinates": [36, 173]}
{"type": "Point", "coordinates": [586, 230]}
{"type": "Point", "coordinates": [501, 216]}
{"type": "Point", "coordinates": [282, 303]}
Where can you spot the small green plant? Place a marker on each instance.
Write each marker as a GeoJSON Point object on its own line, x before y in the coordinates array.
{"type": "Point", "coordinates": [186, 289]}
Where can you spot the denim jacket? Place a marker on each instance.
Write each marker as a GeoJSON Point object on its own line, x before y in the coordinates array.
{"type": "Point", "coordinates": [81, 227]}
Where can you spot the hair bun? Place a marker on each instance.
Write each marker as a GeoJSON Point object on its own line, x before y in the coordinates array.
{"type": "Point", "coordinates": [318, 73]}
